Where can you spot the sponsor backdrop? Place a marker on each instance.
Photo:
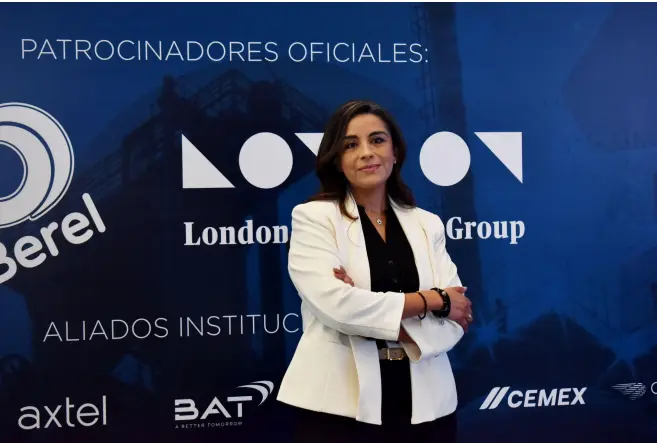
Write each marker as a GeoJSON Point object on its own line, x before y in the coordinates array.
{"type": "Point", "coordinates": [150, 157]}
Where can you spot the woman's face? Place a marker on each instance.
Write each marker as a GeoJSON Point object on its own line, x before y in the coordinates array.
{"type": "Point", "coordinates": [368, 156]}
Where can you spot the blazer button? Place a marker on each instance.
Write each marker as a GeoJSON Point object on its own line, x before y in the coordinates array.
{"type": "Point", "coordinates": [391, 262]}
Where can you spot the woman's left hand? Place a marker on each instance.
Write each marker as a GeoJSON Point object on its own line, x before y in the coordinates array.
{"type": "Point", "coordinates": [341, 274]}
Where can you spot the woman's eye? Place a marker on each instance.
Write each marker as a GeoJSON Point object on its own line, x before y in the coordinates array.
{"type": "Point", "coordinates": [378, 140]}
{"type": "Point", "coordinates": [350, 145]}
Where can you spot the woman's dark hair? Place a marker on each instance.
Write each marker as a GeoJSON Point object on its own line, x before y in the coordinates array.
{"type": "Point", "coordinates": [334, 184]}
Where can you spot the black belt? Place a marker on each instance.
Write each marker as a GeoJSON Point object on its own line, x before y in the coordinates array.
{"type": "Point", "coordinates": [393, 354]}
{"type": "Point", "coordinates": [387, 353]}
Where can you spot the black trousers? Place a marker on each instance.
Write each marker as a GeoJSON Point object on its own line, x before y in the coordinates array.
{"type": "Point", "coordinates": [316, 427]}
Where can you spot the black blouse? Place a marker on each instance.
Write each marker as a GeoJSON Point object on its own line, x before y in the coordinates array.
{"type": "Point", "coordinates": [392, 264]}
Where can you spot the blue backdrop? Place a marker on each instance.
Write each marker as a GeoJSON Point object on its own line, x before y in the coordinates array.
{"type": "Point", "coordinates": [157, 324]}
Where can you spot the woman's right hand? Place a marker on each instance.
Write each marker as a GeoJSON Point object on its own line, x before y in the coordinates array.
{"type": "Point", "coordinates": [461, 306]}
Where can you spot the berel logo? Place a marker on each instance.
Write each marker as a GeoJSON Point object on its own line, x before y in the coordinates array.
{"type": "Point", "coordinates": [86, 415]}
{"type": "Point", "coordinates": [528, 398]}
{"type": "Point", "coordinates": [46, 154]}
{"type": "Point", "coordinates": [230, 408]}
{"type": "Point", "coordinates": [47, 157]}
{"type": "Point", "coordinates": [265, 159]}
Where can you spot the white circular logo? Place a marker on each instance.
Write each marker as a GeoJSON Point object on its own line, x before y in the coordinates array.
{"type": "Point", "coordinates": [266, 160]}
{"type": "Point", "coordinates": [445, 158]}
{"type": "Point", "coordinates": [47, 157]}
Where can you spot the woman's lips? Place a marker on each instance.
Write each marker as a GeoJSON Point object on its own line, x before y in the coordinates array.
{"type": "Point", "coordinates": [369, 168]}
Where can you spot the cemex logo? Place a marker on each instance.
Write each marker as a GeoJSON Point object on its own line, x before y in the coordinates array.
{"type": "Point", "coordinates": [265, 159]}
{"type": "Point", "coordinates": [635, 390]}
{"type": "Point", "coordinates": [46, 155]}
{"type": "Point", "coordinates": [67, 415]}
{"type": "Point", "coordinates": [532, 398]}
{"type": "Point", "coordinates": [224, 410]}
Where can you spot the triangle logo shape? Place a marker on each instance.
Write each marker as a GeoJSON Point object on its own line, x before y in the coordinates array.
{"type": "Point", "coordinates": [312, 140]}
{"type": "Point", "coordinates": [507, 147]}
{"type": "Point", "coordinates": [197, 171]}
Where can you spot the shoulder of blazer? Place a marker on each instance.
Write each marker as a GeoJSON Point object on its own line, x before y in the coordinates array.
{"type": "Point", "coordinates": [325, 213]}
{"type": "Point", "coordinates": [432, 222]}
{"type": "Point", "coordinates": [317, 210]}
{"type": "Point", "coordinates": [321, 212]}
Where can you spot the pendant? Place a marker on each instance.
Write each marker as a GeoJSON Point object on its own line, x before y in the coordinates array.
{"type": "Point", "coordinates": [378, 220]}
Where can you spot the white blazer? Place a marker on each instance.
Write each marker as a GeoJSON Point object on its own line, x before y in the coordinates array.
{"type": "Point", "coordinates": [335, 369]}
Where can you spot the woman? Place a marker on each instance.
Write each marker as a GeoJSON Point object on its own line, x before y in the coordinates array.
{"type": "Point", "coordinates": [381, 299]}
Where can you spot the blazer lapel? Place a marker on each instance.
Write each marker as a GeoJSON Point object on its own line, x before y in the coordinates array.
{"type": "Point", "coordinates": [419, 241]}
{"type": "Point", "coordinates": [358, 262]}
{"type": "Point", "coordinates": [366, 355]}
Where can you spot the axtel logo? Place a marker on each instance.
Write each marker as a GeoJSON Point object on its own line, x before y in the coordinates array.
{"type": "Point", "coordinates": [87, 414]}
{"type": "Point", "coordinates": [45, 152]}
{"type": "Point", "coordinates": [265, 159]}
{"type": "Point", "coordinates": [532, 398]}
{"type": "Point", "coordinates": [230, 408]}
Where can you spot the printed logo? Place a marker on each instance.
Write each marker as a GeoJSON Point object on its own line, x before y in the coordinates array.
{"type": "Point", "coordinates": [218, 413]}
{"type": "Point", "coordinates": [228, 235]}
{"type": "Point", "coordinates": [458, 229]}
{"type": "Point", "coordinates": [635, 390]}
{"type": "Point", "coordinates": [532, 398]}
{"type": "Point", "coordinates": [445, 157]}
{"type": "Point", "coordinates": [265, 159]}
{"type": "Point", "coordinates": [87, 414]}
{"type": "Point", "coordinates": [47, 157]}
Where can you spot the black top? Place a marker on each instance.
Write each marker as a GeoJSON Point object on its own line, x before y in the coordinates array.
{"type": "Point", "coordinates": [392, 264]}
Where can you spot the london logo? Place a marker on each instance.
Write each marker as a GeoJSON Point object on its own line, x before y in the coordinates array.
{"type": "Point", "coordinates": [265, 159]}
{"type": "Point", "coordinates": [47, 157]}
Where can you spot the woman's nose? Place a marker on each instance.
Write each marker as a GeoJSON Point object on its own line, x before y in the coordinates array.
{"type": "Point", "coordinates": [366, 150]}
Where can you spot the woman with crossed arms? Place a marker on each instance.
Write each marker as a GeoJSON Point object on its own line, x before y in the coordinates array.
{"type": "Point", "coordinates": [382, 302]}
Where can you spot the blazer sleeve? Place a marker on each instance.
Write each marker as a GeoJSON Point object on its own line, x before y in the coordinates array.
{"type": "Point", "coordinates": [353, 311]}
{"type": "Point", "coordinates": [431, 335]}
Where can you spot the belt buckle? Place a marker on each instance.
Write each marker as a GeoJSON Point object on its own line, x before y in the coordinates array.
{"type": "Point", "coordinates": [389, 357]}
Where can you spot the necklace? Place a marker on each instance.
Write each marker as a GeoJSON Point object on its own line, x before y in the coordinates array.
{"type": "Point", "coordinates": [379, 221]}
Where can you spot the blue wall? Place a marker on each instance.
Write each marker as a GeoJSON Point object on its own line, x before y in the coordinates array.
{"type": "Point", "coordinates": [571, 305]}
